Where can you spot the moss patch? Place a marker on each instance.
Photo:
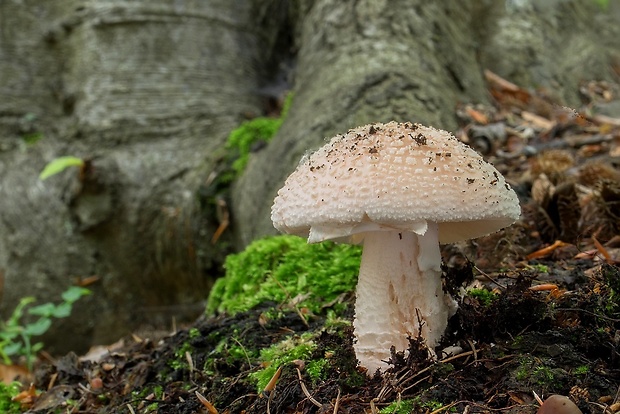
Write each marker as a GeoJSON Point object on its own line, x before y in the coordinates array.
{"type": "Point", "coordinates": [484, 296]}
{"type": "Point", "coordinates": [7, 392]}
{"type": "Point", "coordinates": [252, 133]}
{"type": "Point", "coordinates": [286, 269]}
{"type": "Point", "coordinates": [282, 353]}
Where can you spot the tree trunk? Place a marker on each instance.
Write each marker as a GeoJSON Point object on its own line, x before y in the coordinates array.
{"type": "Point", "coordinates": [146, 93]}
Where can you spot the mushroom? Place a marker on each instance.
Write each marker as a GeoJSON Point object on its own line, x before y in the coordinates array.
{"type": "Point", "coordinates": [558, 404]}
{"type": "Point", "coordinates": [400, 189]}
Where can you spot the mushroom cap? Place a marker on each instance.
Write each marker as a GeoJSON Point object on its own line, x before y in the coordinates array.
{"type": "Point", "coordinates": [558, 404]}
{"type": "Point", "coordinates": [394, 176]}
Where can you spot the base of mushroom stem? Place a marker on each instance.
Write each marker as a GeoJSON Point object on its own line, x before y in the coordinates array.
{"type": "Point", "coordinates": [399, 295]}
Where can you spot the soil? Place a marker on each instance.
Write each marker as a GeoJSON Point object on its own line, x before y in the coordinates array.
{"type": "Point", "coordinates": [544, 320]}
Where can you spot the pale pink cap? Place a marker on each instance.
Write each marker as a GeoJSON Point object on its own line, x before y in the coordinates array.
{"type": "Point", "coordinates": [394, 176]}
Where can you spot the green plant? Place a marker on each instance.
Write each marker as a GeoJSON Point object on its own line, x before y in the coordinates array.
{"type": "Point", "coordinates": [32, 138]}
{"type": "Point", "coordinates": [7, 392]}
{"type": "Point", "coordinates": [603, 4]}
{"type": "Point", "coordinates": [281, 353]}
{"type": "Point", "coordinates": [410, 406]}
{"type": "Point", "coordinates": [484, 296]}
{"type": "Point", "coordinates": [242, 138]}
{"type": "Point", "coordinates": [193, 333]}
{"type": "Point", "coordinates": [534, 372]}
{"type": "Point", "coordinates": [399, 407]}
{"type": "Point", "coordinates": [317, 369]}
{"type": "Point", "coordinates": [538, 267]}
{"type": "Point", "coordinates": [281, 268]}
{"type": "Point", "coordinates": [58, 165]}
{"type": "Point", "coordinates": [581, 370]}
{"type": "Point", "coordinates": [610, 292]}
{"type": "Point", "coordinates": [16, 334]}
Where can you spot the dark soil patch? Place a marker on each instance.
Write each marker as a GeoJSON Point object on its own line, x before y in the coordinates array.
{"type": "Point", "coordinates": [523, 342]}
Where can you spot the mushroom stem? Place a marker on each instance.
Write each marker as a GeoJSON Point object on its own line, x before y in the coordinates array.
{"type": "Point", "coordinates": [399, 285]}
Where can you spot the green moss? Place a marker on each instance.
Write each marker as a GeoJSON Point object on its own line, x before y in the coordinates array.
{"type": "Point", "coordinates": [7, 392]}
{"type": "Point", "coordinates": [236, 352]}
{"type": "Point", "coordinates": [249, 133]}
{"type": "Point", "coordinates": [180, 360]}
{"type": "Point", "coordinates": [399, 407]}
{"type": "Point", "coordinates": [603, 4]}
{"type": "Point", "coordinates": [317, 370]}
{"type": "Point", "coordinates": [609, 296]}
{"type": "Point", "coordinates": [282, 353]}
{"type": "Point", "coordinates": [335, 323]}
{"type": "Point", "coordinates": [281, 268]}
{"type": "Point", "coordinates": [581, 370]}
{"type": "Point", "coordinates": [543, 375]}
{"type": "Point", "coordinates": [156, 390]}
{"type": "Point", "coordinates": [538, 267]}
{"type": "Point", "coordinates": [442, 370]}
{"type": "Point", "coordinates": [413, 405]}
{"type": "Point", "coordinates": [484, 296]}
{"type": "Point", "coordinates": [534, 372]}
{"type": "Point", "coordinates": [32, 138]}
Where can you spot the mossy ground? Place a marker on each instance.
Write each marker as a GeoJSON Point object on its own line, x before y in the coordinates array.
{"type": "Point", "coordinates": [287, 270]}
{"type": "Point", "coordinates": [522, 342]}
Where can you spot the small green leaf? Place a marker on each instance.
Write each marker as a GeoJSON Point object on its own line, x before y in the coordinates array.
{"type": "Point", "coordinates": [58, 165]}
{"type": "Point", "coordinates": [38, 328]}
{"type": "Point", "coordinates": [63, 310]}
{"type": "Point", "coordinates": [74, 293]}
{"type": "Point", "coordinates": [46, 309]}
{"type": "Point", "coordinates": [8, 333]}
{"type": "Point", "coordinates": [13, 348]}
{"type": "Point", "coordinates": [18, 312]}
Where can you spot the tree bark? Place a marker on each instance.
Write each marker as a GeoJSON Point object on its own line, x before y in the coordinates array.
{"type": "Point", "coordinates": [146, 93]}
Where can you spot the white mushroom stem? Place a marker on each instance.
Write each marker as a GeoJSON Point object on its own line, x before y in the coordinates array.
{"type": "Point", "coordinates": [399, 283]}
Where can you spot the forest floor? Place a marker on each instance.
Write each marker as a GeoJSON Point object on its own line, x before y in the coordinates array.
{"type": "Point", "coordinates": [544, 318]}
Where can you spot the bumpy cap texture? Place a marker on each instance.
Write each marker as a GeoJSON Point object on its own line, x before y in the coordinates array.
{"type": "Point", "coordinates": [394, 176]}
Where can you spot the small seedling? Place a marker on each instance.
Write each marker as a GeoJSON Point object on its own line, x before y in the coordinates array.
{"type": "Point", "coordinates": [58, 165]}
{"type": "Point", "coordinates": [16, 335]}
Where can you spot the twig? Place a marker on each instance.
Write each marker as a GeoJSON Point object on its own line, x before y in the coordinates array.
{"type": "Point", "coordinates": [607, 318]}
{"type": "Point", "coordinates": [602, 250]}
{"type": "Point", "coordinates": [473, 349]}
{"type": "Point", "coordinates": [461, 355]}
{"type": "Point", "coordinates": [445, 407]}
{"type": "Point", "coordinates": [288, 297]}
{"type": "Point", "coordinates": [305, 390]}
{"type": "Point", "coordinates": [337, 402]}
{"type": "Point", "coordinates": [489, 277]}
{"type": "Point", "coordinates": [210, 408]}
{"type": "Point", "coordinates": [546, 250]}
{"type": "Point", "coordinates": [190, 365]}
{"type": "Point", "coordinates": [273, 381]}
{"type": "Point", "coordinates": [243, 349]}
{"type": "Point", "coordinates": [416, 383]}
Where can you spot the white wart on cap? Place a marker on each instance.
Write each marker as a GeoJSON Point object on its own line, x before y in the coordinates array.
{"type": "Point", "coordinates": [401, 188]}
